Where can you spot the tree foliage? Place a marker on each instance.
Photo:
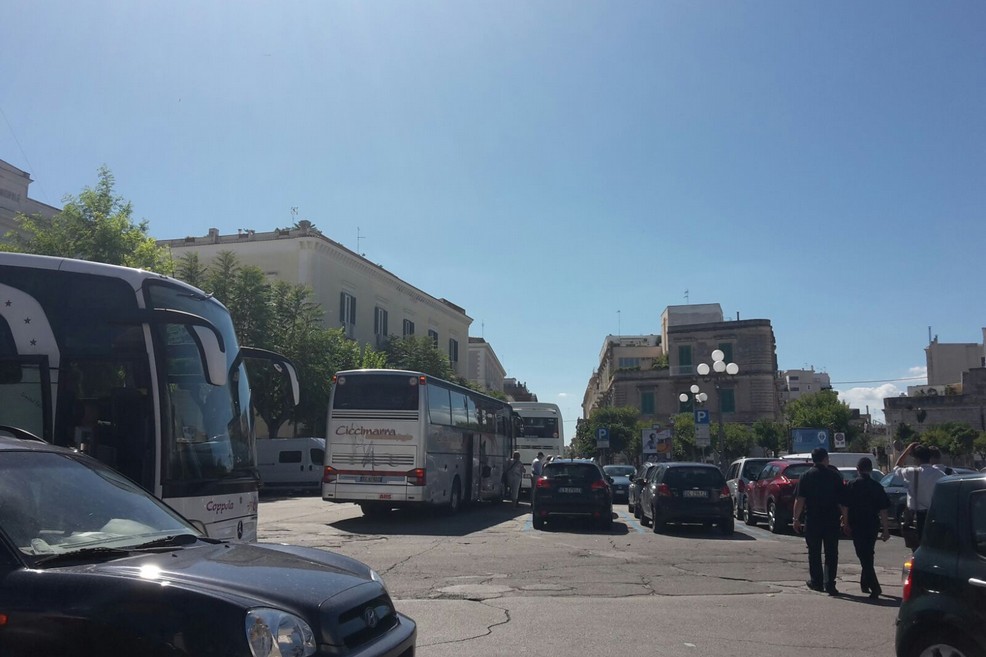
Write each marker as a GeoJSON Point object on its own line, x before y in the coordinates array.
{"type": "Point", "coordinates": [418, 354]}
{"type": "Point", "coordinates": [770, 436]}
{"type": "Point", "coordinates": [954, 438]}
{"type": "Point", "coordinates": [96, 225]}
{"type": "Point", "coordinates": [823, 410]}
{"type": "Point", "coordinates": [624, 428]}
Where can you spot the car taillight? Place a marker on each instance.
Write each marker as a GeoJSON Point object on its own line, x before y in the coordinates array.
{"type": "Point", "coordinates": [416, 477]}
{"type": "Point", "coordinates": [663, 490]}
{"type": "Point", "coordinates": [599, 484]}
{"type": "Point", "coordinates": [329, 475]}
{"type": "Point", "coordinates": [784, 481]}
{"type": "Point", "coordinates": [724, 492]}
{"type": "Point", "coordinates": [906, 575]}
{"type": "Point", "coordinates": [542, 482]}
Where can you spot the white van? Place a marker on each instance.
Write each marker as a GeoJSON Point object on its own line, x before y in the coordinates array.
{"type": "Point", "coordinates": [291, 464]}
{"type": "Point", "coordinates": [838, 459]}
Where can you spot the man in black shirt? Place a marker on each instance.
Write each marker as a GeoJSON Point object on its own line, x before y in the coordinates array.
{"type": "Point", "coordinates": [821, 494]}
{"type": "Point", "coordinates": [868, 504]}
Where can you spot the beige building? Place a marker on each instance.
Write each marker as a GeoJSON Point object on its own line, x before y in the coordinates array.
{"type": "Point", "coordinates": [484, 367]}
{"type": "Point", "coordinates": [948, 361]}
{"type": "Point", "coordinates": [668, 366]}
{"type": "Point", "coordinates": [14, 197]}
{"type": "Point", "coordinates": [362, 297]}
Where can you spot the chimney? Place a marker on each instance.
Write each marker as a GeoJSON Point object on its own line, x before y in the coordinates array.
{"type": "Point", "coordinates": [214, 235]}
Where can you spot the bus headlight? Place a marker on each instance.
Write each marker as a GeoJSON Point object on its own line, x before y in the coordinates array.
{"type": "Point", "coordinates": [276, 633]}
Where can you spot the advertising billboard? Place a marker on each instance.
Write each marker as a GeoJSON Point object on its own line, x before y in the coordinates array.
{"type": "Point", "coordinates": [656, 444]}
{"type": "Point", "coordinates": [805, 439]}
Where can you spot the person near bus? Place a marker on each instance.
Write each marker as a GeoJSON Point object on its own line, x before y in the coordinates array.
{"type": "Point", "coordinates": [515, 474]}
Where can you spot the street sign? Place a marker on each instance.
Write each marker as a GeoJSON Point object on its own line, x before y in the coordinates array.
{"type": "Point", "coordinates": [602, 438]}
{"type": "Point", "coordinates": [703, 437]}
{"type": "Point", "coordinates": [840, 439]}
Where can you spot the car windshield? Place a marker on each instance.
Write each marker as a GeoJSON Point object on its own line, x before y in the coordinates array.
{"type": "Point", "coordinates": [54, 503]}
{"type": "Point", "coordinates": [620, 470]}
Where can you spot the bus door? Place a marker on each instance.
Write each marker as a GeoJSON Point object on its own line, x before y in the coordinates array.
{"type": "Point", "coordinates": [25, 394]}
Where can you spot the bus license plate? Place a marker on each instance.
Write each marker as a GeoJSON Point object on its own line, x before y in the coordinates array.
{"type": "Point", "coordinates": [368, 479]}
{"type": "Point", "coordinates": [696, 493]}
{"type": "Point", "coordinates": [568, 489]}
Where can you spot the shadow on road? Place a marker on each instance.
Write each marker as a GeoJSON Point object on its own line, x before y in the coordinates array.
{"type": "Point", "coordinates": [704, 533]}
{"type": "Point", "coordinates": [584, 526]}
{"type": "Point", "coordinates": [434, 522]}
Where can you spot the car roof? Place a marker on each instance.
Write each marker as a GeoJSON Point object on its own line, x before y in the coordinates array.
{"type": "Point", "coordinates": [8, 442]}
{"type": "Point", "coordinates": [691, 464]}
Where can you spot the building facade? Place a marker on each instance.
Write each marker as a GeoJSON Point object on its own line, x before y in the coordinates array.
{"type": "Point", "coordinates": [484, 367]}
{"type": "Point", "coordinates": [795, 383]}
{"type": "Point", "coordinates": [14, 197]}
{"type": "Point", "coordinates": [668, 367]}
{"type": "Point", "coordinates": [368, 302]}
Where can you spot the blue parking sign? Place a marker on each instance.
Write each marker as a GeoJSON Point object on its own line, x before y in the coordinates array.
{"type": "Point", "coordinates": [602, 438]}
{"type": "Point", "coordinates": [701, 416]}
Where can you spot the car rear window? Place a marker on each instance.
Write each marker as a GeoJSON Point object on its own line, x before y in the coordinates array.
{"type": "Point", "coordinates": [751, 468]}
{"type": "Point", "coordinates": [795, 471]}
{"type": "Point", "coordinates": [696, 477]}
{"type": "Point", "coordinates": [572, 471]}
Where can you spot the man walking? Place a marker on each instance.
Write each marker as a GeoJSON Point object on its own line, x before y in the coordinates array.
{"type": "Point", "coordinates": [820, 493]}
{"type": "Point", "coordinates": [921, 479]}
{"type": "Point", "coordinates": [868, 503]}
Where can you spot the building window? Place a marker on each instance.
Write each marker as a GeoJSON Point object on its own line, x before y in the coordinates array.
{"type": "Point", "coordinates": [626, 363]}
{"type": "Point", "coordinates": [647, 403]}
{"type": "Point", "coordinates": [453, 350]}
{"type": "Point", "coordinates": [795, 378]}
{"type": "Point", "coordinates": [685, 359]}
{"type": "Point", "coordinates": [795, 389]}
{"type": "Point", "coordinates": [408, 328]}
{"type": "Point", "coordinates": [433, 334]}
{"type": "Point", "coordinates": [727, 349]}
{"type": "Point", "coordinates": [380, 322]}
{"type": "Point", "coordinates": [347, 311]}
{"type": "Point", "coordinates": [727, 401]}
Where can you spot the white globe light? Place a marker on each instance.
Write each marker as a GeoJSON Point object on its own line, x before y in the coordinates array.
{"type": "Point", "coordinates": [702, 397]}
{"type": "Point", "coordinates": [732, 368]}
{"type": "Point", "coordinates": [694, 389]}
{"type": "Point", "coordinates": [719, 366]}
{"type": "Point", "coordinates": [682, 398]}
{"type": "Point", "coordinates": [702, 369]}
{"type": "Point", "coordinates": [718, 355]}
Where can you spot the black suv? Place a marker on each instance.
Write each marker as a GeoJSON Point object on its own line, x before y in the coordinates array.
{"type": "Point", "coordinates": [944, 599]}
{"type": "Point", "coordinates": [686, 492]}
{"type": "Point", "coordinates": [636, 485]}
{"type": "Point", "coordinates": [91, 564]}
{"type": "Point", "coordinates": [575, 488]}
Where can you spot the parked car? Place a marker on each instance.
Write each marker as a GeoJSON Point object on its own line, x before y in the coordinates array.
{"type": "Point", "coordinates": [686, 493]}
{"type": "Point", "coordinates": [91, 564]}
{"type": "Point", "coordinates": [621, 476]}
{"type": "Point", "coordinates": [576, 488]}
{"type": "Point", "coordinates": [943, 607]}
{"type": "Point", "coordinates": [291, 464]}
{"type": "Point", "coordinates": [738, 478]}
{"type": "Point", "coordinates": [633, 495]}
{"type": "Point", "coordinates": [770, 496]}
{"type": "Point", "coordinates": [848, 474]}
{"type": "Point", "coordinates": [896, 489]}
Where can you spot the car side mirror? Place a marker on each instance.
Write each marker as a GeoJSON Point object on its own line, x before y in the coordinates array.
{"type": "Point", "coordinates": [609, 479]}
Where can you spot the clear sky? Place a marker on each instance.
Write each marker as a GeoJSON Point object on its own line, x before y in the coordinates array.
{"type": "Point", "coordinates": [562, 170]}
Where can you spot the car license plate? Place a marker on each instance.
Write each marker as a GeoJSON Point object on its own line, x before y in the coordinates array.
{"type": "Point", "coordinates": [569, 489]}
{"type": "Point", "coordinates": [695, 493]}
{"type": "Point", "coordinates": [368, 479]}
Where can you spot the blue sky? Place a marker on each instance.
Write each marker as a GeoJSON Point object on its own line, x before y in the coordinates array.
{"type": "Point", "coordinates": [562, 170]}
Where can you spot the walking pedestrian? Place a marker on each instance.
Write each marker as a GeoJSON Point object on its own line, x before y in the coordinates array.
{"type": "Point", "coordinates": [921, 479]}
{"type": "Point", "coordinates": [515, 474]}
{"type": "Point", "coordinates": [867, 502]}
{"type": "Point", "coordinates": [820, 493]}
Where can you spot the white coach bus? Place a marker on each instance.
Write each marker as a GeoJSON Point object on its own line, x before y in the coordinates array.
{"type": "Point", "coordinates": [139, 370]}
{"type": "Point", "coordinates": [541, 430]}
{"type": "Point", "coordinates": [398, 438]}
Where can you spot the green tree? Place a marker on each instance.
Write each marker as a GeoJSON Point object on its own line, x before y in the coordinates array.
{"type": "Point", "coordinates": [97, 225]}
{"type": "Point", "coordinates": [979, 446]}
{"type": "Point", "coordinates": [823, 410]}
{"type": "Point", "coordinates": [683, 440]}
{"type": "Point", "coordinates": [739, 441]}
{"type": "Point", "coordinates": [418, 353]}
{"type": "Point", "coordinates": [770, 436]}
{"type": "Point", "coordinates": [191, 270]}
{"type": "Point", "coordinates": [623, 425]}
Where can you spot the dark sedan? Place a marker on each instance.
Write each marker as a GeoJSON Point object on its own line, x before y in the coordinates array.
{"type": "Point", "coordinates": [90, 564]}
{"type": "Point", "coordinates": [621, 476]}
{"type": "Point", "coordinates": [686, 493]}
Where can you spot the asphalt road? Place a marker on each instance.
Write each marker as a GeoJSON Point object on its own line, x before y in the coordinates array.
{"type": "Point", "coordinates": [484, 582]}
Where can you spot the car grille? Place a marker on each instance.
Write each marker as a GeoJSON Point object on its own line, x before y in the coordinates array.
{"type": "Point", "coordinates": [365, 622]}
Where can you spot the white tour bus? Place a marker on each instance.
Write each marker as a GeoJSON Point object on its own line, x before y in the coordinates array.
{"type": "Point", "coordinates": [541, 430]}
{"type": "Point", "coordinates": [139, 370]}
{"type": "Point", "coordinates": [398, 438]}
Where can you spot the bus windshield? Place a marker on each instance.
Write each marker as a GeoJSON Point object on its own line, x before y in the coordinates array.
{"type": "Point", "coordinates": [540, 427]}
{"type": "Point", "coordinates": [380, 392]}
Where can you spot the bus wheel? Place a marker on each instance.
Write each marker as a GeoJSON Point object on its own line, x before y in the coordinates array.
{"type": "Point", "coordinates": [455, 496]}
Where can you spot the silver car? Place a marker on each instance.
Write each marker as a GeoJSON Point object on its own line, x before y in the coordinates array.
{"type": "Point", "coordinates": [738, 478]}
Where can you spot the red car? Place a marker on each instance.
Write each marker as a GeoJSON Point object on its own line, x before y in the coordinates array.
{"type": "Point", "coordinates": [770, 496]}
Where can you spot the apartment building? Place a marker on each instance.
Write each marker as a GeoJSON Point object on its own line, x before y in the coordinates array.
{"type": "Point", "coordinates": [367, 301]}
{"type": "Point", "coordinates": [14, 197]}
{"type": "Point", "coordinates": [669, 365]}
{"type": "Point", "coordinates": [795, 383]}
{"type": "Point", "coordinates": [484, 367]}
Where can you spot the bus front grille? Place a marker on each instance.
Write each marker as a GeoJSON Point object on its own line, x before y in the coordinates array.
{"type": "Point", "coordinates": [376, 459]}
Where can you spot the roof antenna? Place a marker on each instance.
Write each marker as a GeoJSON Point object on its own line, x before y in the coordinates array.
{"type": "Point", "coordinates": [358, 238]}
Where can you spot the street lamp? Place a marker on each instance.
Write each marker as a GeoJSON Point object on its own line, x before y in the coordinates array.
{"type": "Point", "coordinates": [699, 398]}
{"type": "Point", "coordinates": [720, 370]}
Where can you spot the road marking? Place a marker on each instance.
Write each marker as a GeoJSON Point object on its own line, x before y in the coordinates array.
{"type": "Point", "coordinates": [631, 522]}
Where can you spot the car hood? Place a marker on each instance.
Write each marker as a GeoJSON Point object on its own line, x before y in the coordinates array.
{"type": "Point", "coordinates": [258, 574]}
